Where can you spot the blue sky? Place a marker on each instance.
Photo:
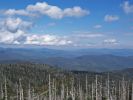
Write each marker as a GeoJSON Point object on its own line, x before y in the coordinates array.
{"type": "Point", "coordinates": [67, 23]}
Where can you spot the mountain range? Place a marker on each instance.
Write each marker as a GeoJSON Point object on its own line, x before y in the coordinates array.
{"type": "Point", "coordinates": [81, 59]}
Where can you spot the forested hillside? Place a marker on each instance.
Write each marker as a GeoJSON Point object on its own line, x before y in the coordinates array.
{"type": "Point", "coordinates": [44, 82]}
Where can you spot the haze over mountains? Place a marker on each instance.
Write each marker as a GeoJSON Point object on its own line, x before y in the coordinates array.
{"type": "Point", "coordinates": [82, 59]}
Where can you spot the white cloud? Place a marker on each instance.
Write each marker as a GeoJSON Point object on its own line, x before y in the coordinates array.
{"type": "Point", "coordinates": [46, 40]}
{"type": "Point", "coordinates": [75, 12]}
{"type": "Point", "coordinates": [45, 9]}
{"type": "Point", "coordinates": [13, 24]}
{"type": "Point", "coordinates": [22, 38]}
{"type": "Point", "coordinates": [111, 41]}
{"type": "Point", "coordinates": [56, 12]}
{"type": "Point", "coordinates": [89, 35]}
{"type": "Point", "coordinates": [12, 12]}
{"type": "Point", "coordinates": [110, 18]}
{"type": "Point", "coordinates": [97, 26]}
{"type": "Point", "coordinates": [13, 31]}
{"type": "Point", "coordinates": [42, 8]}
{"type": "Point", "coordinates": [127, 7]}
{"type": "Point", "coordinates": [83, 45]}
{"type": "Point", "coordinates": [86, 34]}
{"type": "Point", "coordinates": [7, 37]}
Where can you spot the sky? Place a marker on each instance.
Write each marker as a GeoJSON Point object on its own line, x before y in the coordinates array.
{"type": "Point", "coordinates": [67, 23]}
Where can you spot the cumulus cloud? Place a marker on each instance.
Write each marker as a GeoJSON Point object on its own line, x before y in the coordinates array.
{"type": "Point", "coordinates": [56, 12]}
{"type": "Point", "coordinates": [14, 31]}
{"type": "Point", "coordinates": [111, 18]}
{"type": "Point", "coordinates": [22, 38]}
{"type": "Point", "coordinates": [46, 40]}
{"type": "Point", "coordinates": [8, 37]}
{"type": "Point", "coordinates": [45, 9]}
{"type": "Point", "coordinates": [75, 12]}
{"type": "Point", "coordinates": [127, 7]}
{"type": "Point", "coordinates": [111, 41]}
{"type": "Point", "coordinates": [42, 8]}
{"type": "Point", "coordinates": [12, 12]}
{"type": "Point", "coordinates": [13, 24]}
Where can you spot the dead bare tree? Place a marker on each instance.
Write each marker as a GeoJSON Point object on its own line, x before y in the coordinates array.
{"type": "Point", "coordinates": [96, 86]}
{"type": "Point", "coordinates": [1, 91]}
{"type": "Point", "coordinates": [5, 90]}
{"type": "Point", "coordinates": [50, 96]}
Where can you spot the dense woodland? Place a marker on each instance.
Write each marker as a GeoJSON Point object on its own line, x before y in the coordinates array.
{"type": "Point", "coordinates": [44, 82]}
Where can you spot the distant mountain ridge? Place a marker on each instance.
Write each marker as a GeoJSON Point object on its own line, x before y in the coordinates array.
{"type": "Point", "coordinates": [67, 53]}
{"type": "Point", "coordinates": [84, 59]}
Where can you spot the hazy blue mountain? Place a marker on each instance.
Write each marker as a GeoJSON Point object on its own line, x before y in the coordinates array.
{"type": "Point", "coordinates": [83, 59]}
{"type": "Point", "coordinates": [92, 62]}
{"type": "Point", "coordinates": [31, 52]}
